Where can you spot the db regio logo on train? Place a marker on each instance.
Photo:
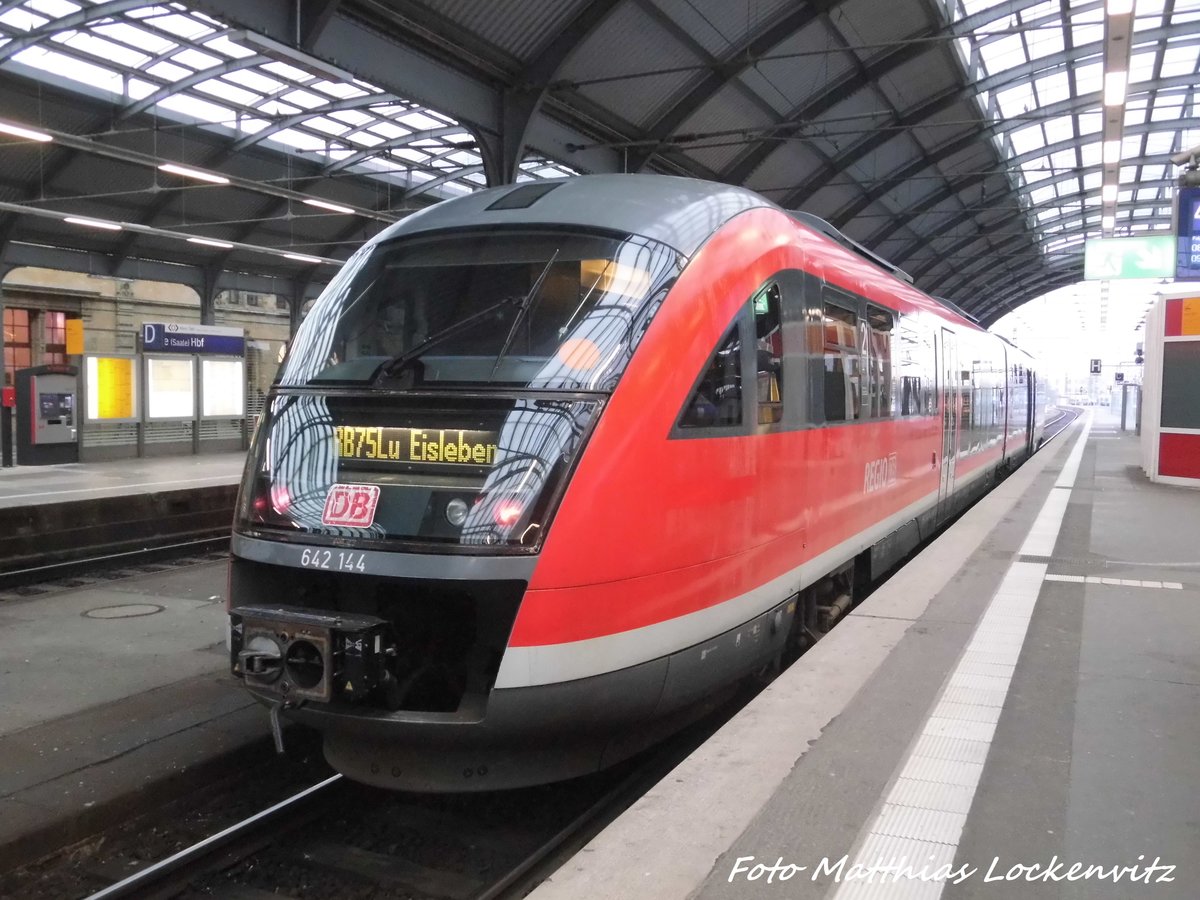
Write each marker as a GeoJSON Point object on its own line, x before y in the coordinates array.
{"type": "Point", "coordinates": [880, 473]}
{"type": "Point", "coordinates": [351, 505]}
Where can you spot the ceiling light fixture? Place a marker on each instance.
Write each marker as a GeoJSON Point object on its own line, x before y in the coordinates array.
{"type": "Point", "coordinates": [1112, 152]}
{"type": "Point", "coordinates": [300, 257]}
{"type": "Point", "coordinates": [332, 207]}
{"type": "Point", "coordinates": [209, 242]}
{"type": "Point", "coordinates": [1108, 193]}
{"type": "Point", "coordinates": [291, 56]}
{"type": "Point", "coordinates": [185, 172]}
{"type": "Point", "coordinates": [1114, 88]}
{"type": "Point", "coordinates": [27, 133]}
{"type": "Point", "coordinates": [1120, 7]}
{"type": "Point", "coordinates": [92, 223]}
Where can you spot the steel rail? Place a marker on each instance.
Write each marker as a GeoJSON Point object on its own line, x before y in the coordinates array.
{"type": "Point", "coordinates": [153, 874]}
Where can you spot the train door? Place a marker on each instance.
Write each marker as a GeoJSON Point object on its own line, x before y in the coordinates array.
{"type": "Point", "coordinates": [951, 414]}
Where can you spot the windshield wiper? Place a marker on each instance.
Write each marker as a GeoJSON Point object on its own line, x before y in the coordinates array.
{"type": "Point", "coordinates": [397, 363]}
{"type": "Point", "coordinates": [526, 302]}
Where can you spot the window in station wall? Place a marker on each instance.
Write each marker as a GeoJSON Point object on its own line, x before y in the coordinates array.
{"type": "Point", "coordinates": [18, 350]}
{"type": "Point", "coordinates": [55, 332]}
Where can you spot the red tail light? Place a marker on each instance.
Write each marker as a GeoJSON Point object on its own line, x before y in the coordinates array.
{"type": "Point", "coordinates": [508, 512]}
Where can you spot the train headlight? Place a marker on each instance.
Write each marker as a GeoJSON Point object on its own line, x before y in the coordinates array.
{"type": "Point", "coordinates": [456, 512]}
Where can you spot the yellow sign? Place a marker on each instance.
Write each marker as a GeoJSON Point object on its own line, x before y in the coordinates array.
{"type": "Point", "coordinates": [1191, 316]}
{"type": "Point", "coordinates": [74, 337]}
{"type": "Point", "coordinates": [112, 388]}
{"type": "Point", "coordinates": [415, 445]}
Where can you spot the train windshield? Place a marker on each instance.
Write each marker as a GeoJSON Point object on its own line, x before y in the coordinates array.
{"type": "Point", "coordinates": [549, 310]}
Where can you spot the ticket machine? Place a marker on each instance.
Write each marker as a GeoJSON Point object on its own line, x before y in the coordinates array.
{"type": "Point", "coordinates": [47, 415]}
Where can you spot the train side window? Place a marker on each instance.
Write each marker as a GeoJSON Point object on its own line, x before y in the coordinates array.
{"type": "Point", "coordinates": [717, 400]}
{"type": "Point", "coordinates": [768, 333]}
{"type": "Point", "coordinates": [878, 339]}
{"type": "Point", "coordinates": [842, 360]}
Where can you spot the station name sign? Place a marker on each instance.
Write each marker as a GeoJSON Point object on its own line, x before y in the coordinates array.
{"type": "Point", "coordinates": [175, 337]}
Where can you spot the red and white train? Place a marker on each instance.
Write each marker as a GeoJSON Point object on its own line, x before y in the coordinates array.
{"type": "Point", "coordinates": [549, 465]}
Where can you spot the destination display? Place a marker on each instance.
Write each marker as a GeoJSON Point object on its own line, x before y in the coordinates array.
{"type": "Point", "coordinates": [416, 445]}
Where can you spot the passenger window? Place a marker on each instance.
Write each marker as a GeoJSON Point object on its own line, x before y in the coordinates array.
{"type": "Point", "coordinates": [768, 332]}
{"type": "Point", "coordinates": [842, 359]}
{"type": "Point", "coordinates": [717, 400]}
{"type": "Point", "coordinates": [879, 362]}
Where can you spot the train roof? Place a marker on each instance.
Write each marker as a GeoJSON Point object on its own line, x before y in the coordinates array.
{"type": "Point", "coordinates": [680, 212]}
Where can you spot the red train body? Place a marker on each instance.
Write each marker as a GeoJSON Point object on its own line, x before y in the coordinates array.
{"type": "Point", "coordinates": [697, 424]}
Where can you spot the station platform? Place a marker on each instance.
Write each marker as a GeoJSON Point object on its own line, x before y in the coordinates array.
{"type": "Point", "coordinates": [38, 485]}
{"type": "Point", "coordinates": [55, 514]}
{"type": "Point", "coordinates": [1012, 715]}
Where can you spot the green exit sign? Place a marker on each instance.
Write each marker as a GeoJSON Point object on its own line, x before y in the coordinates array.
{"type": "Point", "coordinates": [1129, 257]}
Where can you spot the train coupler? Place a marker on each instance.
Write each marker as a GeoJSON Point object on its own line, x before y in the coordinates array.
{"type": "Point", "coordinates": [301, 655]}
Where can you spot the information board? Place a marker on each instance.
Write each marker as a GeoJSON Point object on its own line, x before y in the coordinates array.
{"type": "Point", "coordinates": [111, 386]}
{"type": "Point", "coordinates": [1187, 265]}
{"type": "Point", "coordinates": [223, 387]}
{"type": "Point", "coordinates": [170, 388]}
{"type": "Point", "coordinates": [1150, 256]}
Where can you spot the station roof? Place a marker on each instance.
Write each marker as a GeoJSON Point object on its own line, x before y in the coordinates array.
{"type": "Point", "coordinates": [963, 140]}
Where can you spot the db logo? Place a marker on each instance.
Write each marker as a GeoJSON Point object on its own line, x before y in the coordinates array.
{"type": "Point", "coordinates": [351, 505]}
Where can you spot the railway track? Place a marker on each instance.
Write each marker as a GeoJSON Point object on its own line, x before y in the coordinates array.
{"type": "Point", "coordinates": [37, 580]}
{"type": "Point", "coordinates": [1059, 423]}
{"type": "Point", "coordinates": [337, 839]}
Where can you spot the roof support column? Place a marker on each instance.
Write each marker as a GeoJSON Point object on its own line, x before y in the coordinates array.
{"type": "Point", "coordinates": [502, 153]}
{"type": "Point", "coordinates": [296, 305]}
{"type": "Point", "coordinates": [209, 289]}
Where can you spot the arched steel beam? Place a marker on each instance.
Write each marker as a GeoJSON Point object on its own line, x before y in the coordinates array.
{"type": "Point", "coordinates": [404, 141]}
{"type": "Point", "coordinates": [83, 17]}
{"type": "Point", "coordinates": [956, 187]}
{"type": "Point", "coordinates": [972, 270]}
{"type": "Point", "coordinates": [301, 117]}
{"type": "Point", "coordinates": [935, 106]}
{"type": "Point", "coordinates": [427, 186]}
{"type": "Point", "coordinates": [983, 131]}
{"type": "Point", "coordinates": [1018, 295]}
{"type": "Point", "coordinates": [522, 100]}
{"type": "Point", "coordinates": [727, 70]}
{"type": "Point", "coordinates": [175, 87]}
{"type": "Point", "coordinates": [984, 281]}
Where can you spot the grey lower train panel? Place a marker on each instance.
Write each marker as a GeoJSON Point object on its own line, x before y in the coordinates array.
{"type": "Point", "coordinates": [387, 563]}
{"type": "Point", "coordinates": [531, 735]}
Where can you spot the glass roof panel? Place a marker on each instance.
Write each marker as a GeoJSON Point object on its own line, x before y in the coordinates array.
{"type": "Point", "coordinates": [203, 110]}
{"type": "Point", "coordinates": [135, 37]}
{"type": "Point", "coordinates": [99, 47]}
{"type": "Point", "coordinates": [54, 8]}
{"type": "Point", "coordinates": [1005, 35]}
{"type": "Point", "coordinates": [219, 89]}
{"type": "Point", "coordinates": [255, 81]}
{"type": "Point", "coordinates": [167, 71]}
{"type": "Point", "coordinates": [1008, 37]}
